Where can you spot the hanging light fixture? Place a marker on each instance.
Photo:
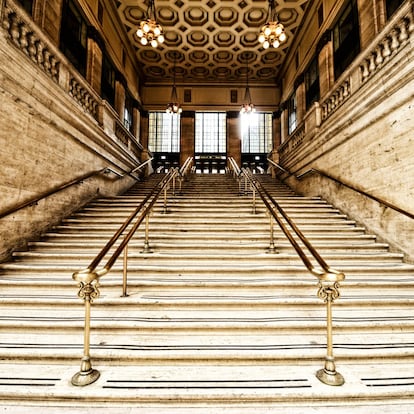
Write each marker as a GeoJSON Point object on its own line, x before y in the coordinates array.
{"type": "Point", "coordinates": [149, 30]}
{"type": "Point", "coordinates": [273, 32]}
{"type": "Point", "coordinates": [174, 107]}
{"type": "Point", "coordinates": [247, 107]}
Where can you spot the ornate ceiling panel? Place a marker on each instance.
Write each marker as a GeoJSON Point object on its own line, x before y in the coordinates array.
{"type": "Point", "coordinates": [212, 41]}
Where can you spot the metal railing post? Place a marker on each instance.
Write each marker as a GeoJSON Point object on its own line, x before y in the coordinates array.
{"type": "Point", "coordinates": [125, 273]}
{"type": "Point", "coordinates": [254, 199]}
{"type": "Point", "coordinates": [165, 200]}
{"type": "Point", "coordinates": [272, 248]}
{"type": "Point", "coordinates": [88, 291]}
{"type": "Point", "coordinates": [147, 248]}
{"type": "Point", "coordinates": [328, 375]}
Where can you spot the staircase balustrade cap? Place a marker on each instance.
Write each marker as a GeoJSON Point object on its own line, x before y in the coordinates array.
{"type": "Point", "coordinates": [332, 276]}
{"type": "Point", "coordinates": [85, 276]}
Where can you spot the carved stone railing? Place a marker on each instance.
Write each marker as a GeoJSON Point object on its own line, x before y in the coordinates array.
{"type": "Point", "coordinates": [397, 33]}
{"type": "Point", "coordinates": [400, 29]}
{"type": "Point", "coordinates": [32, 42]}
{"type": "Point", "coordinates": [27, 37]}
{"type": "Point", "coordinates": [336, 99]}
{"type": "Point", "coordinates": [128, 139]}
{"type": "Point", "coordinates": [295, 140]}
{"type": "Point", "coordinates": [84, 96]}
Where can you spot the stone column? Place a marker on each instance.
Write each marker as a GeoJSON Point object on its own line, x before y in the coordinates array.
{"type": "Point", "coordinates": [326, 63]}
{"type": "Point", "coordinates": [276, 132]}
{"type": "Point", "coordinates": [143, 128]}
{"type": "Point", "coordinates": [187, 139]}
{"type": "Point", "coordinates": [48, 15]}
{"type": "Point", "coordinates": [120, 93]}
{"type": "Point", "coordinates": [371, 19]}
{"type": "Point", "coordinates": [300, 91]}
{"type": "Point", "coordinates": [234, 147]}
{"type": "Point", "coordinates": [94, 60]}
{"type": "Point", "coordinates": [284, 125]}
{"type": "Point", "coordinates": [136, 120]}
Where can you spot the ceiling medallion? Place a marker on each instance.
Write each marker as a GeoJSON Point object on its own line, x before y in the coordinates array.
{"type": "Point", "coordinates": [149, 30]}
{"type": "Point", "coordinates": [273, 32]}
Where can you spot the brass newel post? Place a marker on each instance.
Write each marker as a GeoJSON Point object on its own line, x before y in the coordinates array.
{"type": "Point", "coordinates": [254, 199]}
{"type": "Point", "coordinates": [328, 292]}
{"type": "Point", "coordinates": [147, 248]}
{"type": "Point", "coordinates": [173, 186]}
{"type": "Point", "coordinates": [165, 200]}
{"type": "Point", "coordinates": [88, 291]}
{"type": "Point", "coordinates": [271, 248]}
{"type": "Point", "coordinates": [125, 273]}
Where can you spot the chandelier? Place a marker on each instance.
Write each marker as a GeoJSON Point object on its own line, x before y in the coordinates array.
{"type": "Point", "coordinates": [174, 107]}
{"type": "Point", "coordinates": [149, 30]}
{"type": "Point", "coordinates": [273, 32]}
{"type": "Point", "coordinates": [247, 107]}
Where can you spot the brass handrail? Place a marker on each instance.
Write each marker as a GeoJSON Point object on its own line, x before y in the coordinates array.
{"type": "Point", "coordinates": [88, 279]}
{"type": "Point", "coordinates": [329, 278]}
{"type": "Point", "coordinates": [350, 186]}
{"type": "Point", "coordinates": [62, 187]}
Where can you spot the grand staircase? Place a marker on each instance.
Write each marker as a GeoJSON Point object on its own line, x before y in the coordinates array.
{"type": "Point", "coordinates": [214, 321]}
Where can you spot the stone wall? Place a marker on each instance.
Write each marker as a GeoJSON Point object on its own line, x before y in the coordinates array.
{"type": "Point", "coordinates": [51, 132]}
{"type": "Point", "coordinates": [363, 136]}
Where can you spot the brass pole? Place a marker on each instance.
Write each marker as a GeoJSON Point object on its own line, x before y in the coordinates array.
{"type": "Point", "coordinates": [125, 273]}
{"type": "Point", "coordinates": [272, 248]}
{"type": "Point", "coordinates": [87, 375]}
{"type": "Point", "coordinates": [254, 199]}
{"type": "Point", "coordinates": [328, 375]}
{"type": "Point", "coordinates": [165, 200]}
{"type": "Point", "coordinates": [147, 248]}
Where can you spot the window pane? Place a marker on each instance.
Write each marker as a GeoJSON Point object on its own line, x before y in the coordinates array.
{"type": "Point", "coordinates": [292, 121]}
{"type": "Point", "coordinates": [73, 41]}
{"type": "Point", "coordinates": [346, 39]}
{"type": "Point", "coordinates": [256, 132]}
{"type": "Point", "coordinates": [210, 132]}
{"type": "Point", "coordinates": [164, 132]}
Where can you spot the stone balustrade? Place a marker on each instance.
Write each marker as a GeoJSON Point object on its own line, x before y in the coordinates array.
{"type": "Point", "coordinates": [384, 46]}
{"type": "Point", "coordinates": [31, 41]}
{"type": "Point", "coordinates": [26, 36]}
{"type": "Point", "coordinates": [336, 98]}
{"type": "Point", "coordinates": [400, 30]}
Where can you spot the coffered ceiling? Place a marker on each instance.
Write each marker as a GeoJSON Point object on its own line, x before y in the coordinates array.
{"type": "Point", "coordinates": [212, 41]}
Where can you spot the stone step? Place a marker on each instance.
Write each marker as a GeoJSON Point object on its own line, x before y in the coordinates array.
{"type": "Point", "coordinates": [231, 389]}
{"type": "Point", "coordinates": [196, 246]}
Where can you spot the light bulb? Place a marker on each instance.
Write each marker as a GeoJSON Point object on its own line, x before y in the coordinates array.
{"type": "Point", "coordinates": [278, 30]}
{"type": "Point", "coordinates": [261, 38]}
{"type": "Point", "coordinates": [146, 28]}
{"type": "Point", "coordinates": [282, 37]}
{"type": "Point", "coordinates": [266, 45]}
{"type": "Point", "coordinates": [157, 31]}
{"type": "Point", "coordinates": [267, 31]}
{"type": "Point", "coordinates": [140, 33]}
{"type": "Point", "coordinates": [276, 44]}
{"type": "Point", "coordinates": [144, 41]}
{"type": "Point", "coordinates": [154, 43]}
{"type": "Point", "coordinates": [161, 39]}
